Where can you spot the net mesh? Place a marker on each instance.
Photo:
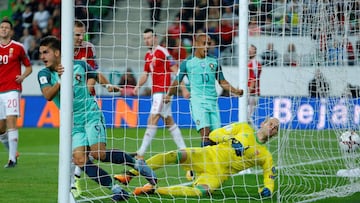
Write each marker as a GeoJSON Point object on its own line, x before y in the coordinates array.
{"type": "Point", "coordinates": [296, 41]}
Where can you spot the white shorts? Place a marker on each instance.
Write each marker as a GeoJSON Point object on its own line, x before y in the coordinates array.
{"type": "Point", "coordinates": [2, 111]}
{"type": "Point", "coordinates": [159, 107]}
{"type": "Point", "coordinates": [10, 104]}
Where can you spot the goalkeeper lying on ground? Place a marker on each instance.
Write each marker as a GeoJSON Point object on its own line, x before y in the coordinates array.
{"type": "Point", "coordinates": [238, 148]}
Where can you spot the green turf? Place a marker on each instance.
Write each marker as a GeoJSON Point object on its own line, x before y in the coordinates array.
{"type": "Point", "coordinates": [34, 180]}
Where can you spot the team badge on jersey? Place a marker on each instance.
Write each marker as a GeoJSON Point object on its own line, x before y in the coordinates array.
{"type": "Point", "coordinates": [212, 66]}
{"type": "Point", "coordinates": [43, 80]}
{"type": "Point", "coordinates": [11, 52]}
{"type": "Point", "coordinates": [78, 77]}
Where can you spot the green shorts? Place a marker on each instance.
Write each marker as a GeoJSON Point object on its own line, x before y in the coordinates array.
{"type": "Point", "coordinates": [205, 115]}
{"type": "Point", "coordinates": [89, 129]}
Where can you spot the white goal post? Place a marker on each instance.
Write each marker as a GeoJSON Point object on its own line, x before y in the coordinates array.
{"type": "Point", "coordinates": [296, 40]}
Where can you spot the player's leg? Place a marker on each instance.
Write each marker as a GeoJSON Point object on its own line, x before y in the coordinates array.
{"type": "Point", "coordinates": [189, 159]}
{"type": "Point", "coordinates": [172, 127]}
{"type": "Point", "coordinates": [201, 116]}
{"type": "Point", "coordinates": [154, 162]}
{"type": "Point", "coordinates": [3, 132]}
{"type": "Point", "coordinates": [94, 135]}
{"type": "Point", "coordinates": [12, 112]}
{"type": "Point", "coordinates": [75, 180]}
{"type": "Point", "coordinates": [158, 161]}
{"type": "Point", "coordinates": [4, 139]}
{"type": "Point", "coordinates": [151, 128]}
{"type": "Point", "coordinates": [252, 101]}
{"type": "Point", "coordinates": [97, 174]}
{"type": "Point", "coordinates": [203, 185]}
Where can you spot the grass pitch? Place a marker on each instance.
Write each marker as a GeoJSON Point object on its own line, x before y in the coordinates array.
{"type": "Point", "coordinates": [34, 179]}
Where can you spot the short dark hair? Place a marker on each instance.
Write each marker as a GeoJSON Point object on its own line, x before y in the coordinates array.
{"type": "Point", "coordinates": [79, 23]}
{"type": "Point", "coordinates": [149, 30]}
{"type": "Point", "coordinates": [52, 42]}
{"type": "Point", "coordinates": [5, 20]}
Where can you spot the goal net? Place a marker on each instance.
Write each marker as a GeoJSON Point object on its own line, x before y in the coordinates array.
{"type": "Point", "coordinates": [309, 53]}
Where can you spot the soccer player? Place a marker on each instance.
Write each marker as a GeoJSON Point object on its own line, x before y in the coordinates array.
{"type": "Point", "coordinates": [238, 148]}
{"type": "Point", "coordinates": [202, 72]}
{"type": "Point", "coordinates": [89, 131]}
{"type": "Point", "coordinates": [157, 63]}
{"type": "Point", "coordinates": [84, 50]}
{"type": "Point", "coordinates": [254, 68]}
{"type": "Point", "coordinates": [12, 56]}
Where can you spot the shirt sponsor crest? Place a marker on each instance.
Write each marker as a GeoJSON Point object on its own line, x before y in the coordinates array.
{"type": "Point", "coordinates": [43, 80]}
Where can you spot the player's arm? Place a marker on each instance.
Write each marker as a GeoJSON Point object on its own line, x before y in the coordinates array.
{"type": "Point", "coordinates": [48, 90]}
{"type": "Point", "coordinates": [27, 72]}
{"type": "Point", "coordinates": [233, 134]}
{"type": "Point", "coordinates": [223, 134]}
{"type": "Point", "coordinates": [226, 85]}
{"type": "Point", "coordinates": [143, 78]}
{"type": "Point", "coordinates": [269, 175]}
{"type": "Point", "coordinates": [185, 92]}
{"type": "Point", "coordinates": [173, 87]}
{"type": "Point", "coordinates": [102, 80]}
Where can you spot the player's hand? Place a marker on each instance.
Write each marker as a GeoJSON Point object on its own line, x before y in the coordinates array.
{"type": "Point", "coordinates": [136, 90]}
{"type": "Point", "coordinates": [112, 88]}
{"type": "Point", "coordinates": [60, 70]}
{"type": "Point", "coordinates": [265, 192]}
{"type": "Point", "coordinates": [19, 79]}
{"type": "Point", "coordinates": [238, 92]}
{"type": "Point", "coordinates": [238, 147]}
{"type": "Point", "coordinates": [166, 99]}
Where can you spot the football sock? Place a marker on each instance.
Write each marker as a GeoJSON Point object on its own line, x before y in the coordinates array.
{"type": "Point", "coordinates": [179, 190]}
{"type": "Point", "coordinates": [148, 136]}
{"type": "Point", "coordinates": [13, 143]}
{"type": "Point", "coordinates": [97, 174]}
{"type": "Point", "coordinates": [162, 159]}
{"type": "Point", "coordinates": [118, 157]}
{"type": "Point", "coordinates": [159, 161]}
{"type": "Point", "coordinates": [176, 134]}
{"type": "Point", "coordinates": [77, 171]}
{"type": "Point", "coordinates": [5, 140]}
{"type": "Point", "coordinates": [135, 172]}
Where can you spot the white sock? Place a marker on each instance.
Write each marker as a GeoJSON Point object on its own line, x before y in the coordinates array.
{"type": "Point", "coordinates": [5, 140]}
{"type": "Point", "coordinates": [13, 143]}
{"type": "Point", "coordinates": [77, 171]}
{"type": "Point", "coordinates": [72, 177]}
{"type": "Point", "coordinates": [148, 136]}
{"type": "Point", "coordinates": [178, 139]}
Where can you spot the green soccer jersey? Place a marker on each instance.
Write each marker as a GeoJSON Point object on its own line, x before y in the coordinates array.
{"type": "Point", "coordinates": [83, 101]}
{"type": "Point", "coordinates": [46, 78]}
{"type": "Point", "coordinates": [202, 75]}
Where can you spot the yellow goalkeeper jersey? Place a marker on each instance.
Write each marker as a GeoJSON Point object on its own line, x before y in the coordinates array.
{"type": "Point", "coordinates": [256, 153]}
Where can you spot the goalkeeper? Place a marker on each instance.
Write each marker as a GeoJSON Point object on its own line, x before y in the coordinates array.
{"type": "Point", "coordinates": [238, 148]}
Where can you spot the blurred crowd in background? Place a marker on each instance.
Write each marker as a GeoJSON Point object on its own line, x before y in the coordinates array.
{"type": "Point", "coordinates": [34, 19]}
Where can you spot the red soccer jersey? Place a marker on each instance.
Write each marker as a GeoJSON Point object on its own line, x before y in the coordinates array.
{"type": "Point", "coordinates": [12, 56]}
{"type": "Point", "coordinates": [160, 68]}
{"type": "Point", "coordinates": [86, 51]}
{"type": "Point", "coordinates": [254, 75]}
